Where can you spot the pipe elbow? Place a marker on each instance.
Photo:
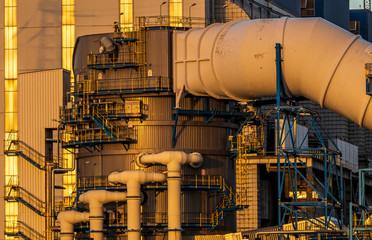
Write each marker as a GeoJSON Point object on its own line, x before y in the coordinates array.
{"type": "Point", "coordinates": [195, 160]}
{"type": "Point", "coordinates": [72, 217]}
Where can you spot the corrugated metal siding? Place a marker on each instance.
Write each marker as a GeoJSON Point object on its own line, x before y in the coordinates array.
{"type": "Point", "coordinates": [40, 95]}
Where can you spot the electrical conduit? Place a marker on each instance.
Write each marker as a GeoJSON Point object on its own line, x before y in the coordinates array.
{"type": "Point", "coordinates": [133, 180]}
{"type": "Point", "coordinates": [236, 60]}
{"type": "Point", "coordinates": [67, 220]}
{"type": "Point", "coordinates": [96, 199]}
{"type": "Point", "coordinates": [173, 160]}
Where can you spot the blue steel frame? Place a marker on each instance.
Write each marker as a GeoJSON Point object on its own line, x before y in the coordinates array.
{"type": "Point", "coordinates": [331, 197]}
{"type": "Point", "coordinates": [369, 85]}
{"type": "Point", "coordinates": [363, 211]}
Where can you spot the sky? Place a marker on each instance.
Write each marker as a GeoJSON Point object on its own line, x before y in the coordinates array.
{"type": "Point", "coordinates": [356, 4]}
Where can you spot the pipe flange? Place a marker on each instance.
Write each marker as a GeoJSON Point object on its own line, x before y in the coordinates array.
{"type": "Point", "coordinates": [138, 162]}
{"type": "Point", "coordinates": [198, 164]}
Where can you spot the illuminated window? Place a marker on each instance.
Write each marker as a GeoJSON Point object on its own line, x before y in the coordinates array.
{"type": "Point", "coordinates": [300, 194]}
{"type": "Point", "coordinates": [68, 42]}
{"type": "Point", "coordinates": [68, 35]}
{"type": "Point", "coordinates": [10, 93]}
{"type": "Point", "coordinates": [175, 13]}
{"type": "Point", "coordinates": [126, 15]}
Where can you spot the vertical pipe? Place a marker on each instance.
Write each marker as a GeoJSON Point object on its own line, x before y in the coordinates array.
{"type": "Point", "coordinates": [350, 220]}
{"type": "Point", "coordinates": [67, 220]}
{"type": "Point", "coordinates": [133, 209]}
{"type": "Point", "coordinates": [96, 220]}
{"type": "Point", "coordinates": [174, 204]}
{"type": "Point", "coordinates": [96, 199]}
{"type": "Point", "coordinates": [49, 199]}
{"type": "Point", "coordinates": [133, 180]}
{"type": "Point", "coordinates": [278, 90]}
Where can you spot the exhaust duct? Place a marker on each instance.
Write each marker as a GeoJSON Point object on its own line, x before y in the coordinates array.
{"type": "Point", "coordinates": [236, 60]}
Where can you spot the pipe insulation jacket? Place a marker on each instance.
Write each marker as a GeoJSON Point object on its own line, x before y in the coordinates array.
{"type": "Point", "coordinates": [96, 199]}
{"type": "Point", "coordinates": [133, 180]}
{"type": "Point", "coordinates": [236, 60]}
{"type": "Point", "coordinates": [67, 220]}
{"type": "Point", "coordinates": [173, 160]}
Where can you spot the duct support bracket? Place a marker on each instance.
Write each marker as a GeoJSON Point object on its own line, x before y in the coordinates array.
{"type": "Point", "coordinates": [330, 196]}
{"type": "Point", "coordinates": [368, 72]}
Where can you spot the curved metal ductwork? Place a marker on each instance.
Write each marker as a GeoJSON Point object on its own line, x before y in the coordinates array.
{"type": "Point", "coordinates": [96, 199]}
{"type": "Point", "coordinates": [108, 44]}
{"type": "Point", "coordinates": [236, 60]}
{"type": "Point", "coordinates": [134, 180]}
{"type": "Point", "coordinates": [67, 220]}
{"type": "Point", "coordinates": [173, 160]}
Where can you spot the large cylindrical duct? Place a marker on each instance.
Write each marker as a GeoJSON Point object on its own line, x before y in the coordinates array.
{"type": "Point", "coordinates": [67, 219]}
{"type": "Point", "coordinates": [321, 62]}
{"type": "Point", "coordinates": [96, 199]}
{"type": "Point", "coordinates": [133, 180]}
{"type": "Point", "coordinates": [173, 160]}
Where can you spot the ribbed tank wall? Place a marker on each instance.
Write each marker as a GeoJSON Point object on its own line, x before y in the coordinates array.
{"type": "Point", "coordinates": [154, 135]}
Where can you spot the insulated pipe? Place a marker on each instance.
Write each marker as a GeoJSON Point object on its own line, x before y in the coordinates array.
{"type": "Point", "coordinates": [236, 60]}
{"type": "Point", "coordinates": [68, 219]}
{"type": "Point", "coordinates": [96, 199]}
{"type": "Point", "coordinates": [133, 180]}
{"type": "Point", "coordinates": [173, 160]}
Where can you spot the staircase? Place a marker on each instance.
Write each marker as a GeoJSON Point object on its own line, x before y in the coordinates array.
{"type": "Point", "coordinates": [13, 192]}
{"type": "Point", "coordinates": [20, 230]}
{"type": "Point", "coordinates": [103, 122]}
{"type": "Point", "coordinates": [21, 149]}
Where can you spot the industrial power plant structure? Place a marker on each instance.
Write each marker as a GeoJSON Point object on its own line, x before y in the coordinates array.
{"type": "Point", "coordinates": [243, 121]}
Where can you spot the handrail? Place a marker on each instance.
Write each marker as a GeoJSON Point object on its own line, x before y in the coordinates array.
{"type": "Point", "coordinates": [19, 228]}
{"type": "Point", "coordinates": [95, 135]}
{"type": "Point", "coordinates": [21, 195]}
{"type": "Point", "coordinates": [27, 152]}
{"type": "Point", "coordinates": [154, 83]}
{"type": "Point", "coordinates": [227, 195]}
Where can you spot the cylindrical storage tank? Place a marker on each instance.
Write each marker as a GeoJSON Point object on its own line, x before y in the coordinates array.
{"type": "Point", "coordinates": [153, 132]}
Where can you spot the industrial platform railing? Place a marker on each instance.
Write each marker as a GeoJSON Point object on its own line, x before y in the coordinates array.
{"type": "Point", "coordinates": [125, 85]}
{"type": "Point", "coordinates": [228, 200]}
{"type": "Point", "coordinates": [95, 136]}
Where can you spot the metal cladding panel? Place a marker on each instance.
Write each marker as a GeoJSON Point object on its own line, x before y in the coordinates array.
{"type": "Point", "coordinates": [38, 13]}
{"type": "Point", "coordinates": [95, 16]}
{"type": "Point", "coordinates": [158, 54]}
{"type": "Point", "coordinates": [149, 8]}
{"type": "Point", "coordinates": [291, 5]}
{"type": "Point", "coordinates": [40, 48]}
{"type": "Point", "coordinates": [337, 12]}
{"type": "Point", "coordinates": [196, 11]}
{"type": "Point", "coordinates": [39, 96]}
